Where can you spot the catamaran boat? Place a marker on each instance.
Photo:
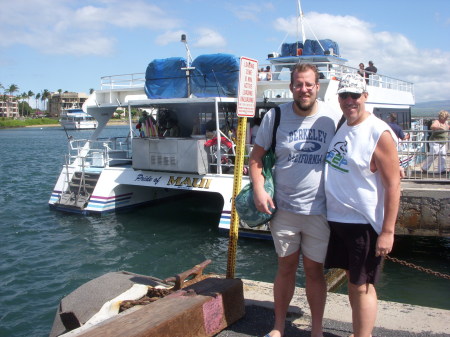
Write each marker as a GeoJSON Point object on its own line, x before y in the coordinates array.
{"type": "Point", "coordinates": [77, 119]}
{"type": "Point", "coordinates": [189, 144]}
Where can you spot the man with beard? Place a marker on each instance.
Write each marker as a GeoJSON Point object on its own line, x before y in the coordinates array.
{"type": "Point", "coordinates": [299, 225]}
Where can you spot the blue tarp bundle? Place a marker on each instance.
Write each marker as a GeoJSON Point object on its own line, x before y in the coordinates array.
{"type": "Point", "coordinates": [290, 49]}
{"type": "Point", "coordinates": [308, 48]}
{"type": "Point", "coordinates": [327, 44]}
{"type": "Point", "coordinates": [215, 75]}
{"type": "Point", "coordinates": [165, 79]}
{"type": "Point", "coordinates": [312, 47]}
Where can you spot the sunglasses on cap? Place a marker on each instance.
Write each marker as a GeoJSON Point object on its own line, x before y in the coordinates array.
{"type": "Point", "coordinates": [344, 95]}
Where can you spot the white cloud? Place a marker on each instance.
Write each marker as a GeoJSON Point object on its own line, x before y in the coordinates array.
{"type": "Point", "coordinates": [201, 38]}
{"type": "Point", "coordinates": [251, 11]}
{"type": "Point", "coordinates": [57, 27]}
{"type": "Point", "coordinates": [169, 37]}
{"type": "Point", "coordinates": [131, 14]}
{"type": "Point", "coordinates": [393, 53]}
{"type": "Point", "coordinates": [209, 38]}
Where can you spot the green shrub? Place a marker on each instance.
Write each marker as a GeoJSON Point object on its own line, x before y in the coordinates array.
{"type": "Point", "coordinates": [15, 123]}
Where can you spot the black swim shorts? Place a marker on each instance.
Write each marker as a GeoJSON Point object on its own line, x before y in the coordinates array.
{"type": "Point", "coordinates": [352, 247]}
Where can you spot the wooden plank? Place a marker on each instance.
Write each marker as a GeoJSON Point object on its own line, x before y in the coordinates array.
{"type": "Point", "coordinates": [201, 310]}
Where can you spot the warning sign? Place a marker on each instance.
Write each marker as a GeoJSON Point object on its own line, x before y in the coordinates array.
{"type": "Point", "coordinates": [247, 87]}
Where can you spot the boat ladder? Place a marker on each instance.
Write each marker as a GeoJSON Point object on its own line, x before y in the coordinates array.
{"type": "Point", "coordinates": [79, 190]}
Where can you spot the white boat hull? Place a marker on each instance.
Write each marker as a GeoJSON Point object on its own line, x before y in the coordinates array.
{"type": "Point", "coordinates": [119, 189]}
{"type": "Point", "coordinates": [84, 125]}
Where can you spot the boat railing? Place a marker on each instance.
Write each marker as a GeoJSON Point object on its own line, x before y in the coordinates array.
{"type": "Point", "coordinates": [103, 152]}
{"type": "Point", "coordinates": [335, 71]}
{"type": "Point", "coordinates": [122, 81]}
{"type": "Point", "coordinates": [280, 72]}
{"type": "Point", "coordinates": [415, 152]}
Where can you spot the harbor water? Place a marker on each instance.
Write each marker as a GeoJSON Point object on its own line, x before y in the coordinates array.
{"type": "Point", "coordinates": [46, 254]}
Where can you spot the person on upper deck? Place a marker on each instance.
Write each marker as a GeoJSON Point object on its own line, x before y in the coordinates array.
{"type": "Point", "coordinates": [268, 74]}
{"type": "Point", "coordinates": [361, 70]}
{"type": "Point", "coordinates": [370, 70]}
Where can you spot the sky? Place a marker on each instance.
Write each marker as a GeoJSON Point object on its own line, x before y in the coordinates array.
{"type": "Point", "coordinates": [71, 44]}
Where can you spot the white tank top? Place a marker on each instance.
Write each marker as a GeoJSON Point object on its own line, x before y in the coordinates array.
{"type": "Point", "coordinates": [354, 194]}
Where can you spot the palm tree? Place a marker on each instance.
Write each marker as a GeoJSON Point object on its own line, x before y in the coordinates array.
{"type": "Point", "coordinates": [12, 89]}
{"type": "Point", "coordinates": [37, 96]}
{"type": "Point", "coordinates": [29, 95]}
{"type": "Point", "coordinates": [45, 96]}
{"type": "Point", "coordinates": [22, 96]}
{"type": "Point", "coordinates": [2, 97]}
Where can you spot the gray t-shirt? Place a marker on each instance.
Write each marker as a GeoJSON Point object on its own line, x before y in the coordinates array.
{"type": "Point", "coordinates": [302, 144]}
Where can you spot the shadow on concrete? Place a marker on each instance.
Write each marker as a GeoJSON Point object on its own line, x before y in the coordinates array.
{"type": "Point", "coordinates": [258, 321]}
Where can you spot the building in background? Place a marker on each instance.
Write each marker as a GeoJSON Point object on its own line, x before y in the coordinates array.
{"type": "Point", "coordinates": [65, 100]}
{"type": "Point", "coordinates": [9, 107]}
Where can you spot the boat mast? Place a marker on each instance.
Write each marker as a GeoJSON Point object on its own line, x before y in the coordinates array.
{"type": "Point", "coordinates": [300, 18]}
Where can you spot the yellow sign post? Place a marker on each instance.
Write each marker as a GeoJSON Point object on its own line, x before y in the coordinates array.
{"type": "Point", "coordinates": [245, 108]}
{"type": "Point", "coordinates": [238, 167]}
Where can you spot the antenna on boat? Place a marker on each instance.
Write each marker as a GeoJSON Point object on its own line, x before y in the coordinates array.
{"type": "Point", "coordinates": [300, 17]}
{"type": "Point", "coordinates": [188, 52]}
{"type": "Point", "coordinates": [188, 67]}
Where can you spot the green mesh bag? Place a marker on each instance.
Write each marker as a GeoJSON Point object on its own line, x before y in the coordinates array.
{"type": "Point", "coordinates": [244, 202]}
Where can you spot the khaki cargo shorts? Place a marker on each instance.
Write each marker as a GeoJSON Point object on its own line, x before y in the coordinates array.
{"type": "Point", "coordinates": [291, 232]}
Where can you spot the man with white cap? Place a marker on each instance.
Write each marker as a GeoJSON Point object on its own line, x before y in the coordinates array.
{"type": "Point", "coordinates": [362, 186]}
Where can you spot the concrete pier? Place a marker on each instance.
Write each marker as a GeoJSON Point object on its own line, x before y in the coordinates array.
{"type": "Point", "coordinates": [238, 308]}
{"type": "Point", "coordinates": [394, 319]}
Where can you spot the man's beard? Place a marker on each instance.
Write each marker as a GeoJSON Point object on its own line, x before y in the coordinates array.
{"type": "Point", "coordinates": [305, 106]}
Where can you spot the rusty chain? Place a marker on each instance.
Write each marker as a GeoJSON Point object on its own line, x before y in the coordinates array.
{"type": "Point", "coordinates": [428, 271]}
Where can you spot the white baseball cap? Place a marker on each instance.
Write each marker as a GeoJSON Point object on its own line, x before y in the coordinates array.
{"type": "Point", "coordinates": [352, 83]}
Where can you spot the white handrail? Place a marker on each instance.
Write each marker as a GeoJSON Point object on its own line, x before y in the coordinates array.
{"type": "Point", "coordinates": [328, 69]}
